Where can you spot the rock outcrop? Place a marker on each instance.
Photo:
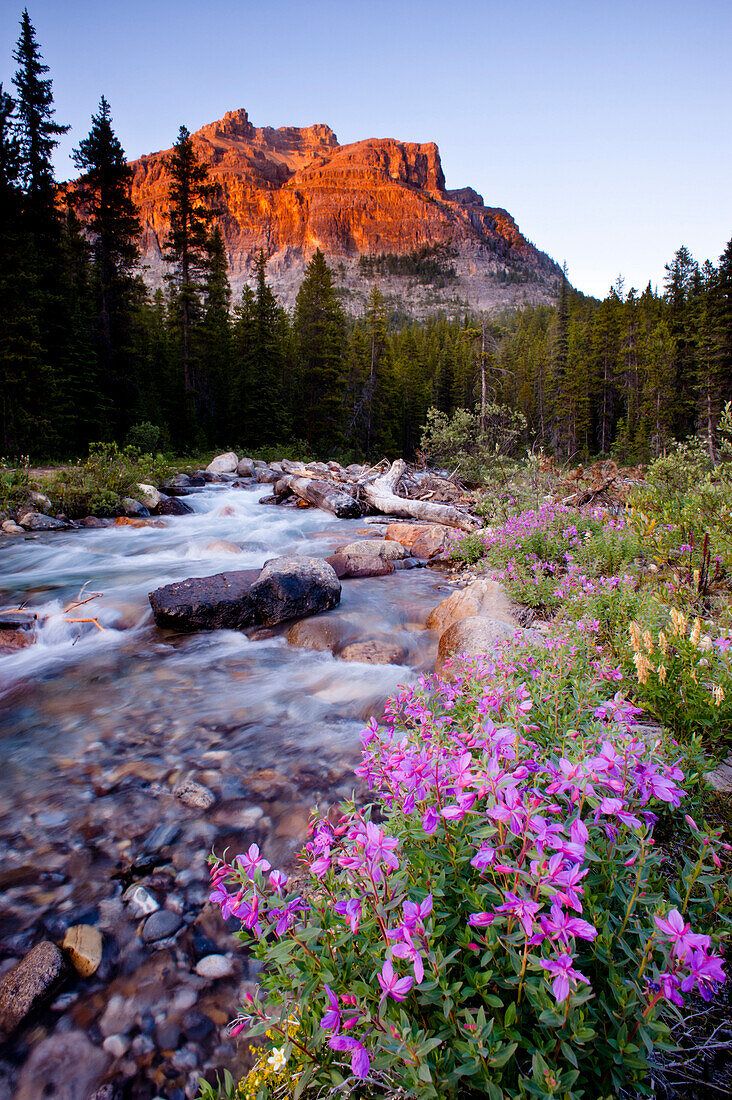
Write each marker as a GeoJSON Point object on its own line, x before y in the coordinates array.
{"type": "Point", "coordinates": [291, 190]}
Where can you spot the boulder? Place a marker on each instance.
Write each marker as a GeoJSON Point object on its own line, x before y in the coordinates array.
{"type": "Point", "coordinates": [290, 588]}
{"type": "Point", "coordinates": [221, 602]}
{"type": "Point", "coordinates": [425, 540]}
{"type": "Point", "coordinates": [10, 527]}
{"type": "Point", "coordinates": [18, 620]}
{"type": "Point", "coordinates": [221, 546]}
{"type": "Point", "coordinates": [374, 651]}
{"type": "Point", "coordinates": [323, 634]}
{"type": "Point", "coordinates": [29, 984]}
{"type": "Point", "coordinates": [34, 521]}
{"type": "Point", "coordinates": [474, 635]}
{"type": "Point", "coordinates": [223, 464]}
{"type": "Point", "coordinates": [13, 640]}
{"type": "Point", "coordinates": [360, 565]}
{"type": "Point", "coordinates": [149, 496]}
{"type": "Point", "coordinates": [172, 506]}
{"type": "Point", "coordinates": [484, 597]}
{"type": "Point", "coordinates": [65, 1066]}
{"type": "Point", "coordinates": [265, 476]}
{"type": "Point", "coordinates": [92, 522]}
{"type": "Point", "coordinates": [380, 548]}
{"type": "Point", "coordinates": [83, 944]}
{"type": "Point", "coordinates": [133, 508]}
{"type": "Point", "coordinates": [40, 501]}
{"type": "Point", "coordinates": [245, 467]}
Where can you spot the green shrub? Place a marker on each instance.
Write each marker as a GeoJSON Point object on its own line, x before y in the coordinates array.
{"type": "Point", "coordinates": [143, 438]}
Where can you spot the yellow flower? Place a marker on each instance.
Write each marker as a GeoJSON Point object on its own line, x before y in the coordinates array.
{"type": "Point", "coordinates": [679, 622]}
{"type": "Point", "coordinates": [642, 667]}
{"type": "Point", "coordinates": [635, 636]}
{"type": "Point", "coordinates": [648, 640]}
{"type": "Point", "coordinates": [718, 693]}
{"type": "Point", "coordinates": [696, 632]}
{"type": "Point", "coordinates": [662, 674]}
{"type": "Point", "coordinates": [662, 642]}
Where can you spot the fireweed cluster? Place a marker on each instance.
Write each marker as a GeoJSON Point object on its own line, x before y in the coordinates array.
{"type": "Point", "coordinates": [500, 920]}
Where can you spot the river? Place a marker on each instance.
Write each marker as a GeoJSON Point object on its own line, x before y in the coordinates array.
{"type": "Point", "coordinates": [99, 725]}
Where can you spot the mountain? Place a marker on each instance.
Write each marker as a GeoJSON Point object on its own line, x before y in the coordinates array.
{"type": "Point", "coordinates": [378, 209]}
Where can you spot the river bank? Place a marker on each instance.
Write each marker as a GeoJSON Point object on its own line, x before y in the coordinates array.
{"type": "Point", "coordinates": [102, 728]}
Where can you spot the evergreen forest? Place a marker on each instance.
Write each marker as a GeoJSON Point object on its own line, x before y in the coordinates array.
{"type": "Point", "coordinates": [88, 353]}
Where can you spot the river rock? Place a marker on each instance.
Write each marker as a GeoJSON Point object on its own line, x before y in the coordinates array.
{"type": "Point", "coordinates": [172, 506]}
{"type": "Point", "coordinates": [140, 901]}
{"type": "Point", "coordinates": [10, 527]}
{"type": "Point", "coordinates": [214, 966]}
{"type": "Point", "coordinates": [221, 546]}
{"type": "Point", "coordinates": [133, 508]}
{"type": "Point", "coordinates": [425, 540]}
{"type": "Point", "coordinates": [83, 943]}
{"type": "Point", "coordinates": [292, 587]}
{"type": "Point", "coordinates": [149, 496]}
{"type": "Point", "coordinates": [374, 651]}
{"type": "Point", "coordinates": [265, 476]}
{"type": "Point", "coordinates": [360, 565]}
{"type": "Point", "coordinates": [245, 467]}
{"type": "Point", "coordinates": [18, 620]}
{"type": "Point", "coordinates": [223, 464]}
{"type": "Point", "coordinates": [40, 501]}
{"type": "Point", "coordinates": [13, 640]}
{"type": "Point", "coordinates": [194, 795]}
{"type": "Point", "coordinates": [380, 548]}
{"type": "Point", "coordinates": [93, 522]}
{"type": "Point", "coordinates": [224, 601]}
{"type": "Point", "coordinates": [28, 984]}
{"type": "Point", "coordinates": [474, 635]}
{"type": "Point", "coordinates": [161, 926]}
{"type": "Point", "coordinates": [323, 634]}
{"type": "Point", "coordinates": [34, 521]}
{"type": "Point", "coordinates": [484, 597]}
{"type": "Point", "coordinates": [66, 1066]}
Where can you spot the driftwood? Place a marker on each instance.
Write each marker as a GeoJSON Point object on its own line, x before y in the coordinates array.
{"type": "Point", "coordinates": [329, 496]}
{"type": "Point", "coordinates": [381, 495]}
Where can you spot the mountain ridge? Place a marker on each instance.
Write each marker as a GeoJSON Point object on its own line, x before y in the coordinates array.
{"type": "Point", "coordinates": [293, 189]}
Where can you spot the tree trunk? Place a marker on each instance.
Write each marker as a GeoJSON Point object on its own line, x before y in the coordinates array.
{"type": "Point", "coordinates": [381, 496]}
{"type": "Point", "coordinates": [323, 494]}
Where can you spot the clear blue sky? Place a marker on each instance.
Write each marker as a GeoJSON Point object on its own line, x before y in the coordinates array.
{"type": "Point", "coordinates": [604, 128]}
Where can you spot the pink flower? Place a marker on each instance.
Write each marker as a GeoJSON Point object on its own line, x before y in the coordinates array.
{"type": "Point", "coordinates": [523, 908]}
{"type": "Point", "coordinates": [391, 985]}
{"type": "Point", "coordinates": [252, 860]}
{"type": "Point", "coordinates": [560, 926]}
{"type": "Point", "coordinates": [481, 920]}
{"type": "Point", "coordinates": [360, 1061]}
{"type": "Point", "coordinates": [562, 974]}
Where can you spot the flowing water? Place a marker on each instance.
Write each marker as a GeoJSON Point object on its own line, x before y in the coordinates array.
{"type": "Point", "coordinates": [98, 725]}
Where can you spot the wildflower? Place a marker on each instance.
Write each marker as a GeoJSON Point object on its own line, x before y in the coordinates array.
{"type": "Point", "coordinates": [562, 973]}
{"type": "Point", "coordinates": [705, 972]}
{"type": "Point", "coordinates": [662, 642]}
{"type": "Point", "coordinates": [278, 881]}
{"type": "Point", "coordinates": [331, 1019]}
{"type": "Point", "coordinates": [560, 926]}
{"type": "Point", "coordinates": [481, 920]}
{"type": "Point", "coordinates": [351, 910]}
{"type": "Point", "coordinates": [391, 985]}
{"type": "Point", "coordinates": [252, 860]}
{"type": "Point", "coordinates": [718, 694]}
{"type": "Point", "coordinates": [522, 908]}
{"type": "Point", "coordinates": [661, 674]}
{"type": "Point", "coordinates": [360, 1061]}
{"type": "Point", "coordinates": [277, 1059]}
{"type": "Point", "coordinates": [648, 640]}
{"type": "Point", "coordinates": [695, 634]}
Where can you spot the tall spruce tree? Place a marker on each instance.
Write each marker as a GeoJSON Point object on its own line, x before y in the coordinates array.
{"type": "Point", "coordinates": [214, 342]}
{"type": "Point", "coordinates": [187, 251]}
{"type": "Point", "coordinates": [319, 326]}
{"type": "Point", "coordinates": [36, 328]}
{"type": "Point", "coordinates": [103, 198]}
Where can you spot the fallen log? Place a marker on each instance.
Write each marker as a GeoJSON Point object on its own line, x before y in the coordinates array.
{"type": "Point", "coordinates": [381, 495]}
{"type": "Point", "coordinates": [323, 494]}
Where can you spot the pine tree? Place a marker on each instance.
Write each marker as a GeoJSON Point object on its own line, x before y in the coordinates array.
{"type": "Point", "coordinates": [38, 133]}
{"type": "Point", "coordinates": [214, 340]}
{"type": "Point", "coordinates": [186, 248]}
{"type": "Point", "coordinates": [377, 336]}
{"type": "Point", "coordinates": [319, 326]}
{"type": "Point", "coordinates": [103, 199]}
{"type": "Point", "coordinates": [260, 389]}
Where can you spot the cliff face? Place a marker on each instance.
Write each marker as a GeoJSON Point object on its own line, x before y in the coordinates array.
{"type": "Point", "coordinates": [295, 189]}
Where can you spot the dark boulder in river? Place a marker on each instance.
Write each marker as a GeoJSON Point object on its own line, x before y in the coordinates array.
{"type": "Point", "coordinates": [171, 506]}
{"type": "Point", "coordinates": [221, 602]}
{"type": "Point", "coordinates": [290, 588]}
